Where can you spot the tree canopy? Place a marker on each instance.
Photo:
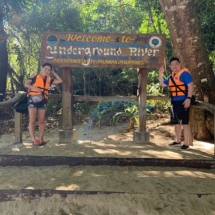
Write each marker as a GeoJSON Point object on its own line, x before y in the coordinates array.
{"type": "Point", "coordinates": [24, 21]}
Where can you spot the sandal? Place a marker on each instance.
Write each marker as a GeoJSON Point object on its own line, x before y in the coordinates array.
{"type": "Point", "coordinates": [36, 143]}
{"type": "Point", "coordinates": [42, 142]}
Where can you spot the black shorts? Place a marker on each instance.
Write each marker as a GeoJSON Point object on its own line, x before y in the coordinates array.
{"type": "Point", "coordinates": [179, 114]}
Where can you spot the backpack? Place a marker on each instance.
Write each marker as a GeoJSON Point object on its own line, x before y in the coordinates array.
{"type": "Point", "coordinates": [22, 105]}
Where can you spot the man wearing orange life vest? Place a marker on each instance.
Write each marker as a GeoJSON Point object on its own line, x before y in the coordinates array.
{"type": "Point", "coordinates": [180, 99]}
{"type": "Point", "coordinates": [38, 86]}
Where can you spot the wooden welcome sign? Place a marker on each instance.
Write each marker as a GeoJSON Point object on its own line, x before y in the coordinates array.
{"type": "Point", "coordinates": [75, 49]}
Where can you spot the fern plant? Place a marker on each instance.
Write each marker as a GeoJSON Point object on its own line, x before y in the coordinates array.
{"type": "Point", "coordinates": [128, 113]}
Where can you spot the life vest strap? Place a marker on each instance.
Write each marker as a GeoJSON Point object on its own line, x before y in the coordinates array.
{"type": "Point", "coordinates": [44, 89]}
{"type": "Point", "coordinates": [177, 87]}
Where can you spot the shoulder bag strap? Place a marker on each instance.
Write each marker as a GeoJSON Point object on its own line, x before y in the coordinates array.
{"type": "Point", "coordinates": [177, 85]}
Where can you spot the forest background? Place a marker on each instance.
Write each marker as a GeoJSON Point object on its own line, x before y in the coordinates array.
{"type": "Point", "coordinates": [187, 24]}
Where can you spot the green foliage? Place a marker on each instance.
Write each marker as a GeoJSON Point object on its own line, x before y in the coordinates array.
{"type": "Point", "coordinates": [10, 7]}
{"type": "Point", "coordinates": [105, 110]}
{"type": "Point", "coordinates": [212, 58]}
{"type": "Point", "coordinates": [106, 81]}
{"type": "Point", "coordinates": [205, 10]}
{"type": "Point", "coordinates": [130, 110]}
{"type": "Point", "coordinates": [153, 88]}
{"type": "Point", "coordinates": [82, 107]}
{"type": "Point", "coordinates": [96, 115]}
{"type": "Point", "coordinates": [110, 15]}
{"type": "Point", "coordinates": [25, 30]}
{"type": "Point", "coordinates": [54, 107]}
{"type": "Point", "coordinates": [98, 112]}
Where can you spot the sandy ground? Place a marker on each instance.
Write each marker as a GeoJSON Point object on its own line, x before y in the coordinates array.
{"type": "Point", "coordinates": [148, 190]}
{"type": "Point", "coordinates": [108, 141]}
{"type": "Point", "coordinates": [114, 204]}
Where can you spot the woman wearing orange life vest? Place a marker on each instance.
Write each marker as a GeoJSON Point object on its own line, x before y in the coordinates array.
{"type": "Point", "coordinates": [38, 86]}
{"type": "Point", "coordinates": [180, 99]}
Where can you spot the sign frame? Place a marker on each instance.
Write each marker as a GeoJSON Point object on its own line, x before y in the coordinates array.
{"type": "Point", "coordinates": [100, 50]}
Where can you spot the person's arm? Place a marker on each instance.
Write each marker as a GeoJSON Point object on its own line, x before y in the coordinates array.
{"type": "Point", "coordinates": [187, 101]}
{"type": "Point", "coordinates": [161, 80]}
{"type": "Point", "coordinates": [188, 80]}
{"type": "Point", "coordinates": [190, 89]}
{"type": "Point", "coordinates": [57, 79]}
{"type": "Point", "coordinates": [31, 87]}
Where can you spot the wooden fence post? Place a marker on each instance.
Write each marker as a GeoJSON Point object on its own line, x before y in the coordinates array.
{"type": "Point", "coordinates": [18, 127]}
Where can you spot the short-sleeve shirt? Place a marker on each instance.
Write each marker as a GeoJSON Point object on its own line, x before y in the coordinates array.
{"type": "Point", "coordinates": [186, 78]}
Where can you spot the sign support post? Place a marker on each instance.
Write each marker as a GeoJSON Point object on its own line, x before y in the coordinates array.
{"type": "Point", "coordinates": [67, 134]}
{"type": "Point", "coordinates": [141, 136]}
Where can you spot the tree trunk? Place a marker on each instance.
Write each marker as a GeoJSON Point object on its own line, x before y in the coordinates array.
{"type": "Point", "coordinates": [3, 59]}
{"type": "Point", "coordinates": [188, 44]}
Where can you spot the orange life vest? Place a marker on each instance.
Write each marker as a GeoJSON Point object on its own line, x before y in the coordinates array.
{"type": "Point", "coordinates": [173, 89]}
{"type": "Point", "coordinates": [39, 82]}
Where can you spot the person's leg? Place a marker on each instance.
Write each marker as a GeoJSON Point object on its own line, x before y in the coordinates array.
{"type": "Point", "coordinates": [32, 119]}
{"type": "Point", "coordinates": [178, 129]}
{"type": "Point", "coordinates": [174, 120]}
{"type": "Point", "coordinates": [41, 119]}
{"type": "Point", "coordinates": [175, 108]}
{"type": "Point", "coordinates": [186, 129]}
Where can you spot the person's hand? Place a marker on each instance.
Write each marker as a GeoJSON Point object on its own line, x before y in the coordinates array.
{"type": "Point", "coordinates": [161, 70]}
{"type": "Point", "coordinates": [38, 89]}
{"type": "Point", "coordinates": [187, 103]}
